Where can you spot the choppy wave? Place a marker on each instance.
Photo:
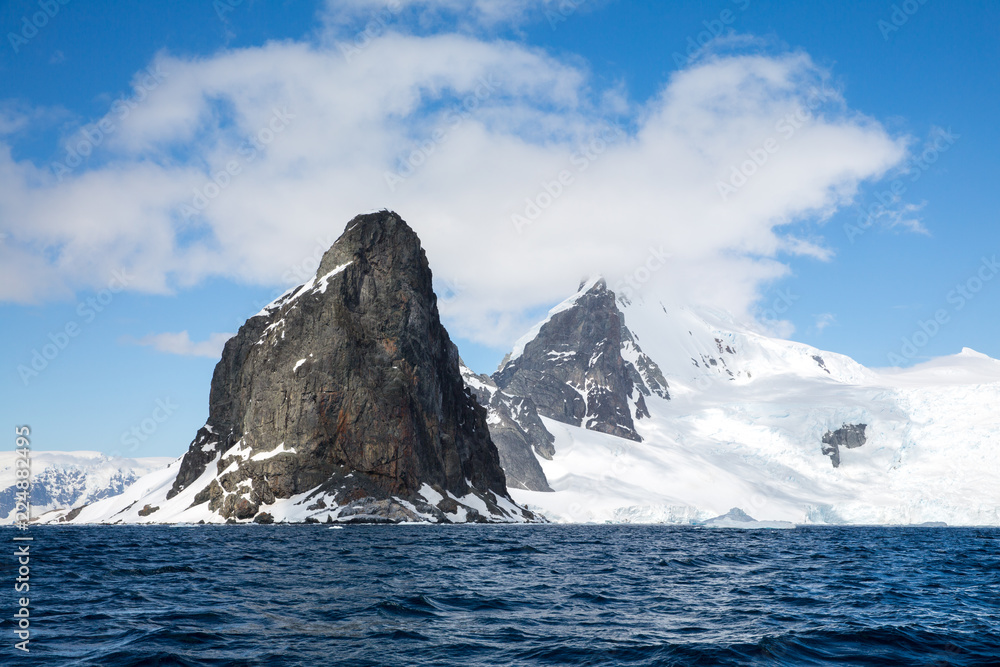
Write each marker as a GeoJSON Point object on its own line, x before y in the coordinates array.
{"type": "Point", "coordinates": [512, 595]}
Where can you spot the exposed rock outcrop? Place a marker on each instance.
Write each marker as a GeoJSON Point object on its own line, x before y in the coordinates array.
{"type": "Point", "coordinates": [850, 436]}
{"type": "Point", "coordinates": [348, 389]}
{"type": "Point", "coordinates": [517, 432]}
{"type": "Point", "coordinates": [584, 367]}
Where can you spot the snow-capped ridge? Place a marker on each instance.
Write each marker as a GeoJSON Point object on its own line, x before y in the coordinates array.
{"type": "Point", "coordinates": [518, 348]}
{"type": "Point", "coordinates": [754, 422]}
{"type": "Point", "coordinates": [67, 480]}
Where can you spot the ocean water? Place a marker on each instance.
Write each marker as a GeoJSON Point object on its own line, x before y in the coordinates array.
{"type": "Point", "coordinates": [509, 595]}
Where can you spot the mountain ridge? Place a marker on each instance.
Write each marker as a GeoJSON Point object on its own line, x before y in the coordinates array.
{"type": "Point", "coordinates": [755, 422]}
{"type": "Point", "coordinates": [611, 408]}
{"type": "Point", "coordinates": [67, 480]}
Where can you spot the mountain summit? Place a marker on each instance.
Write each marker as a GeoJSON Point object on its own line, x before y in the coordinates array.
{"type": "Point", "coordinates": [582, 366]}
{"type": "Point", "coordinates": [341, 400]}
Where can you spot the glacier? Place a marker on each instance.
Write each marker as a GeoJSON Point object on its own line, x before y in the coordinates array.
{"type": "Point", "coordinates": [744, 427]}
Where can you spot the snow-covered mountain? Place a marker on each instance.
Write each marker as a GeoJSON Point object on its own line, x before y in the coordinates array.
{"type": "Point", "coordinates": [720, 416]}
{"type": "Point", "coordinates": [623, 410]}
{"type": "Point", "coordinates": [66, 480]}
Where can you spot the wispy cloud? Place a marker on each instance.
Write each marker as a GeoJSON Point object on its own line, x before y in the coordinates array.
{"type": "Point", "coordinates": [181, 344]}
{"type": "Point", "coordinates": [823, 321]}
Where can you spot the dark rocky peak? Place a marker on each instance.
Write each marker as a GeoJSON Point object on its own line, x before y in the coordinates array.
{"type": "Point", "coordinates": [383, 246]}
{"type": "Point", "coordinates": [348, 389]}
{"type": "Point", "coordinates": [582, 366]}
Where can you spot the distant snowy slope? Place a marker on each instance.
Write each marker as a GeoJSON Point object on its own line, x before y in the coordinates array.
{"type": "Point", "coordinates": [783, 431]}
{"type": "Point", "coordinates": [65, 480]}
{"type": "Point", "coordinates": [695, 346]}
{"type": "Point", "coordinates": [968, 367]}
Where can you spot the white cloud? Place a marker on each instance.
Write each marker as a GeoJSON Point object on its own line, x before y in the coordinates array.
{"type": "Point", "coordinates": [181, 344]}
{"type": "Point", "coordinates": [492, 125]}
{"type": "Point", "coordinates": [824, 320]}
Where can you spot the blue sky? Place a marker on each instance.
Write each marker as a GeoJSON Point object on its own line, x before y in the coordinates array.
{"type": "Point", "coordinates": [133, 293]}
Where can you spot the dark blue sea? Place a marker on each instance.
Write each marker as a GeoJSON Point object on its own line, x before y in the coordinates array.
{"type": "Point", "coordinates": [508, 595]}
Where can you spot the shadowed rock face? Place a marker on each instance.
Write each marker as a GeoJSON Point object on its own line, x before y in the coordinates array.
{"type": "Point", "coordinates": [517, 431]}
{"type": "Point", "coordinates": [574, 371]}
{"type": "Point", "coordinates": [850, 436]}
{"type": "Point", "coordinates": [349, 384]}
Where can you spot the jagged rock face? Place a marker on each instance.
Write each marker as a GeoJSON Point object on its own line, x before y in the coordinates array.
{"type": "Point", "coordinates": [850, 436]}
{"type": "Point", "coordinates": [575, 372]}
{"type": "Point", "coordinates": [646, 376]}
{"type": "Point", "coordinates": [349, 385]}
{"type": "Point", "coordinates": [517, 432]}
